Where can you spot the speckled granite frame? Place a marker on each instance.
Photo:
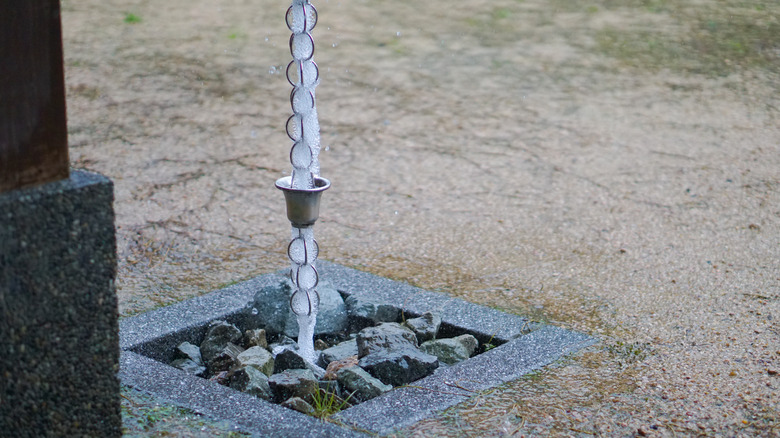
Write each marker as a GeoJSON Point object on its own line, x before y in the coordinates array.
{"type": "Point", "coordinates": [149, 339]}
{"type": "Point", "coordinates": [59, 342]}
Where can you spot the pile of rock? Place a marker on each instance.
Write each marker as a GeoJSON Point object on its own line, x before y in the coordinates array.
{"type": "Point", "coordinates": [379, 354]}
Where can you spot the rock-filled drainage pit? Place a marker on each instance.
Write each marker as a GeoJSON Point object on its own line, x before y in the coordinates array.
{"type": "Point", "coordinates": [390, 354]}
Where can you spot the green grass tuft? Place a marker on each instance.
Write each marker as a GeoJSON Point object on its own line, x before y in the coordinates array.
{"type": "Point", "coordinates": [131, 18]}
{"type": "Point", "coordinates": [327, 403]}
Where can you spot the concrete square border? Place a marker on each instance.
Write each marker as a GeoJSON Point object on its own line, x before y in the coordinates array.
{"type": "Point", "coordinates": [148, 340]}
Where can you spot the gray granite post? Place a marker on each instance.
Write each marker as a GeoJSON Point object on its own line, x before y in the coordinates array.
{"type": "Point", "coordinates": [59, 345]}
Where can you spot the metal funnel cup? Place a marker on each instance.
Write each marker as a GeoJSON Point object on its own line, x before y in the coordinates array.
{"type": "Point", "coordinates": [303, 205]}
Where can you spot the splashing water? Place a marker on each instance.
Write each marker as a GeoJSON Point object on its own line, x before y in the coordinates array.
{"type": "Point", "coordinates": [305, 301]}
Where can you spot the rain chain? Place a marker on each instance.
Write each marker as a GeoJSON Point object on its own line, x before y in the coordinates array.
{"type": "Point", "coordinates": [304, 187]}
{"type": "Point", "coordinates": [303, 126]}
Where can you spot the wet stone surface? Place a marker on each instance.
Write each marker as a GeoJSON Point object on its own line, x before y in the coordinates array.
{"type": "Point", "coordinates": [354, 366]}
{"type": "Point", "coordinates": [354, 388]}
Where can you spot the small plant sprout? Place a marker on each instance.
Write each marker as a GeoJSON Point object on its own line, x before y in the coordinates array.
{"type": "Point", "coordinates": [326, 403]}
{"type": "Point", "coordinates": [489, 345]}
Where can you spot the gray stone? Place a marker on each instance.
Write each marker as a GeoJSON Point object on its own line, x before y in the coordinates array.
{"type": "Point", "coordinates": [189, 366]}
{"type": "Point", "coordinates": [185, 350]}
{"type": "Point", "coordinates": [386, 336]}
{"type": "Point", "coordinates": [293, 383]}
{"type": "Point", "coordinates": [331, 315]}
{"type": "Point", "coordinates": [298, 404]}
{"type": "Point", "coordinates": [291, 360]}
{"type": "Point", "coordinates": [225, 359]}
{"type": "Point", "coordinates": [252, 381]}
{"type": "Point", "coordinates": [255, 338]}
{"type": "Point", "coordinates": [425, 327]}
{"type": "Point", "coordinates": [361, 384]}
{"type": "Point", "coordinates": [283, 343]}
{"type": "Point", "coordinates": [258, 358]}
{"type": "Point", "coordinates": [329, 387]}
{"type": "Point", "coordinates": [59, 353]}
{"type": "Point", "coordinates": [452, 350]}
{"type": "Point", "coordinates": [399, 367]}
{"type": "Point", "coordinates": [339, 351]}
{"type": "Point", "coordinates": [218, 336]}
{"type": "Point", "coordinates": [272, 304]}
{"type": "Point", "coordinates": [366, 311]}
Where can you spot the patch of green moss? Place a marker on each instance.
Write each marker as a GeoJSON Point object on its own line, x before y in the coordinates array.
{"type": "Point", "coordinates": [131, 18]}
{"type": "Point", "coordinates": [709, 40]}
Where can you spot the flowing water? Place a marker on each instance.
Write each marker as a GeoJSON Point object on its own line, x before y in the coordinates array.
{"type": "Point", "coordinates": [303, 75]}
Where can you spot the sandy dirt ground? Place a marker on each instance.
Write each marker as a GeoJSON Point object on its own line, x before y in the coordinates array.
{"type": "Point", "coordinates": [609, 166]}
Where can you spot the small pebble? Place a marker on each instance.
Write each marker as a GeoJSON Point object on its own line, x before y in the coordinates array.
{"type": "Point", "coordinates": [320, 345]}
{"type": "Point", "coordinates": [333, 368]}
{"type": "Point", "coordinates": [220, 378]}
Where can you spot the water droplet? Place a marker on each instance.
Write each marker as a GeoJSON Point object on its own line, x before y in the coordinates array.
{"type": "Point", "coordinates": [255, 311]}
{"type": "Point", "coordinates": [398, 33]}
{"type": "Point", "coordinates": [266, 38]}
{"type": "Point", "coordinates": [272, 70]}
{"type": "Point", "coordinates": [335, 44]}
{"type": "Point", "coordinates": [327, 148]}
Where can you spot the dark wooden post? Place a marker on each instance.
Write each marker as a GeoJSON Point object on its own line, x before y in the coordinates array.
{"type": "Point", "coordinates": [33, 130]}
{"type": "Point", "coordinates": [59, 337]}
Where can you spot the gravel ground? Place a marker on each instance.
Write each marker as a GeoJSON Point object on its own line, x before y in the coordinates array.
{"type": "Point", "coordinates": [609, 167]}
